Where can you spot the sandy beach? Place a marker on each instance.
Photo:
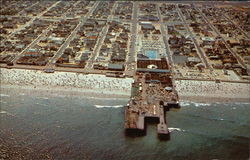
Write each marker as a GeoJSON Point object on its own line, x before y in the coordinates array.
{"type": "Point", "coordinates": [100, 86]}
{"type": "Point", "coordinates": [92, 85]}
{"type": "Point", "coordinates": [210, 91]}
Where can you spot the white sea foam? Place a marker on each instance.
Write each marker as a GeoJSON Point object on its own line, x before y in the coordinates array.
{"type": "Point", "coordinates": [201, 104]}
{"type": "Point", "coordinates": [101, 98]}
{"type": "Point", "coordinates": [3, 112]}
{"type": "Point", "coordinates": [4, 95]}
{"type": "Point", "coordinates": [183, 104]}
{"type": "Point", "coordinates": [7, 113]}
{"type": "Point", "coordinates": [176, 129]}
{"type": "Point", "coordinates": [247, 103]}
{"type": "Point", "coordinates": [217, 119]}
{"type": "Point", "coordinates": [101, 106]}
{"type": "Point", "coordinates": [40, 104]}
{"type": "Point", "coordinates": [186, 103]}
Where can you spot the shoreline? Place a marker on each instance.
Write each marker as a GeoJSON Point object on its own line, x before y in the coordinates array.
{"type": "Point", "coordinates": [214, 100]}
{"type": "Point", "coordinates": [46, 93]}
{"type": "Point", "coordinates": [100, 86]}
{"type": "Point", "coordinates": [210, 91]}
{"type": "Point", "coordinates": [88, 85]}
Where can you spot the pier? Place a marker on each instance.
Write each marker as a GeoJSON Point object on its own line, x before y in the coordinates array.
{"type": "Point", "coordinates": [153, 93]}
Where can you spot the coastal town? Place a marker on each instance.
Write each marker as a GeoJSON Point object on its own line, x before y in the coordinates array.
{"type": "Point", "coordinates": [157, 52]}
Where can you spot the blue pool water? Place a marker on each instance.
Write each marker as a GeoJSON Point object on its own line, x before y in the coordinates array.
{"type": "Point", "coordinates": [151, 54]}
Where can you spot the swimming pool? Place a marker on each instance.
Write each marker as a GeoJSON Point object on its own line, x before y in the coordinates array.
{"type": "Point", "coordinates": [151, 54]}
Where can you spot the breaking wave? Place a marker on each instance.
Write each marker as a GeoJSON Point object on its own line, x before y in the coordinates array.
{"type": "Point", "coordinates": [183, 104]}
{"type": "Point", "coordinates": [199, 104]}
{"type": "Point", "coordinates": [244, 103]}
{"type": "Point", "coordinates": [202, 104]}
{"type": "Point", "coordinates": [3, 112]}
{"type": "Point", "coordinates": [41, 104]}
{"type": "Point", "coordinates": [101, 106]}
{"type": "Point", "coordinates": [7, 113]}
{"type": "Point", "coordinates": [176, 129]}
{"type": "Point", "coordinates": [4, 95]}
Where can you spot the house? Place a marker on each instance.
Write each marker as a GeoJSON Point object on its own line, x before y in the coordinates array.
{"type": "Point", "coordinates": [194, 60]}
{"type": "Point", "coordinates": [147, 27]}
{"type": "Point", "coordinates": [208, 40]}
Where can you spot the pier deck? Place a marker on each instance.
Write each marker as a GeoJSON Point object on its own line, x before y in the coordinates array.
{"type": "Point", "coordinates": [151, 97]}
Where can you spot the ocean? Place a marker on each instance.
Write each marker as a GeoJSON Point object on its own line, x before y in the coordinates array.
{"type": "Point", "coordinates": [87, 128]}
